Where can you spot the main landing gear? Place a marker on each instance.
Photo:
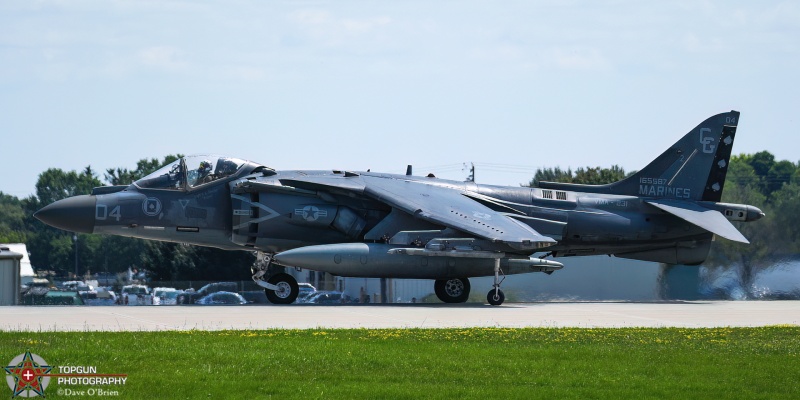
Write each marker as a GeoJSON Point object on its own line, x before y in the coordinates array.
{"type": "Point", "coordinates": [280, 288]}
{"type": "Point", "coordinates": [454, 290]}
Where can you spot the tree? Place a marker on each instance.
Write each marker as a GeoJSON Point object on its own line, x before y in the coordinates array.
{"type": "Point", "coordinates": [118, 253]}
{"type": "Point", "coordinates": [170, 261]}
{"type": "Point", "coordinates": [12, 220]}
{"type": "Point", "coordinates": [599, 176]}
{"type": "Point", "coordinates": [586, 176]}
{"type": "Point", "coordinates": [769, 174]}
{"type": "Point", "coordinates": [54, 184]}
{"type": "Point", "coordinates": [761, 162]}
{"type": "Point", "coordinates": [551, 175]}
{"type": "Point", "coordinates": [123, 176]}
{"type": "Point", "coordinates": [786, 211]}
{"type": "Point", "coordinates": [779, 174]}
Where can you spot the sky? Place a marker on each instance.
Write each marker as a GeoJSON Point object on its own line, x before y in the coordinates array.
{"type": "Point", "coordinates": [510, 86]}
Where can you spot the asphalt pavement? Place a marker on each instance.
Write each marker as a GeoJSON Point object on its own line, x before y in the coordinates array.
{"type": "Point", "coordinates": [692, 314]}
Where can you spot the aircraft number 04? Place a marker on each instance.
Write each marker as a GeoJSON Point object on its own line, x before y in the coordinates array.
{"type": "Point", "coordinates": [101, 213]}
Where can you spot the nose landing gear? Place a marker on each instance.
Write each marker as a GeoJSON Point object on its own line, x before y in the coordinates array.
{"type": "Point", "coordinates": [287, 289]}
{"type": "Point", "coordinates": [496, 296]}
{"type": "Point", "coordinates": [280, 288]}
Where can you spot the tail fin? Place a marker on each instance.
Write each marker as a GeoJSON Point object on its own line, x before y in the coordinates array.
{"type": "Point", "coordinates": [694, 168]}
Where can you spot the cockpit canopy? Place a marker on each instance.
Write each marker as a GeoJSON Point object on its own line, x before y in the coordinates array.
{"type": "Point", "coordinates": [193, 171]}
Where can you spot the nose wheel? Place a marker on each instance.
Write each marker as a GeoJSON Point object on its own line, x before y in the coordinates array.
{"type": "Point", "coordinates": [280, 288]}
{"type": "Point", "coordinates": [496, 296]}
{"type": "Point", "coordinates": [287, 289]}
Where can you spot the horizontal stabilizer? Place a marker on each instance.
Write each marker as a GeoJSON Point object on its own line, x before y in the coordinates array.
{"type": "Point", "coordinates": [710, 220]}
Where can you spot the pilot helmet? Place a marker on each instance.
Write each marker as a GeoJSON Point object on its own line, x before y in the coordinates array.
{"type": "Point", "coordinates": [205, 165]}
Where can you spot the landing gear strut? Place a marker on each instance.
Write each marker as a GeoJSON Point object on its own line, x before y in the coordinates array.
{"type": "Point", "coordinates": [280, 288]}
{"type": "Point", "coordinates": [496, 296]}
{"type": "Point", "coordinates": [454, 290]}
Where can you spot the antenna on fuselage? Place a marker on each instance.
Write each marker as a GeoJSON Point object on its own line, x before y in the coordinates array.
{"type": "Point", "coordinates": [471, 177]}
{"type": "Point", "coordinates": [408, 170]}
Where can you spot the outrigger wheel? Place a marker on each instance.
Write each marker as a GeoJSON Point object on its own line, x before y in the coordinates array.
{"type": "Point", "coordinates": [287, 289]}
{"type": "Point", "coordinates": [454, 290]}
{"type": "Point", "coordinates": [495, 297]}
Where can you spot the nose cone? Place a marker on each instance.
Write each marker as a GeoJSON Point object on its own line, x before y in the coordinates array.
{"type": "Point", "coordinates": [74, 214]}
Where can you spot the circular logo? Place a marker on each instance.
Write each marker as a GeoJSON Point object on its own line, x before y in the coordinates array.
{"type": "Point", "coordinates": [26, 375]}
{"type": "Point", "coordinates": [310, 213]}
{"type": "Point", "coordinates": [151, 206]}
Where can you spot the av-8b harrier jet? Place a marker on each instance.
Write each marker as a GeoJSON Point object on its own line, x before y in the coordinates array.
{"type": "Point", "coordinates": [367, 224]}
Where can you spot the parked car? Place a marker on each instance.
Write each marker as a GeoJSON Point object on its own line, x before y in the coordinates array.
{"type": "Point", "coordinates": [135, 295]}
{"type": "Point", "coordinates": [85, 291]}
{"type": "Point", "coordinates": [191, 296]}
{"type": "Point", "coordinates": [105, 278]}
{"type": "Point", "coordinates": [306, 291]}
{"type": "Point", "coordinates": [255, 296]}
{"type": "Point", "coordinates": [165, 295]}
{"type": "Point", "coordinates": [105, 297]}
{"type": "Point", "coordinates": [222, 298]}
{"type": "Point", "coordinates": [325, 297]}
{"type": "Point", "coordinates": [106, 293]}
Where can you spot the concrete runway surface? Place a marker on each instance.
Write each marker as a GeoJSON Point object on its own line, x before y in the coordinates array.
{"type": "Point", "coordinates": [691, 314]}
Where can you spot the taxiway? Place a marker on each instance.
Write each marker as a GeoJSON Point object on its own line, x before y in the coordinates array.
{"type": "Point", "coordinates": [694, 314]}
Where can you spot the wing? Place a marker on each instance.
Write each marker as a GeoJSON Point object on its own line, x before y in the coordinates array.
{"type": "Point", "coordinates": [450, 207]}
{"type": "Point", "coordinates": [344, 182]}
{"type": "Point", "coordinates": [710, 220]}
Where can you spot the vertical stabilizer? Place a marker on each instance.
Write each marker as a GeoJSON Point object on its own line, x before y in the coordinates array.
{"type": "Point", "coordinates": [694, 168]}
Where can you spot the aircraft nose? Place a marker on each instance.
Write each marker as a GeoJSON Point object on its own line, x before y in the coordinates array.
{"type": "Point", "coordinates": [74, 214]}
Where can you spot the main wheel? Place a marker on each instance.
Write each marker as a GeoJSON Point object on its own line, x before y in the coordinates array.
{"type": "Point", "coordinates": [495, 299]}
{"type": "Point", "coordinates": [454, 290]}
{"type": "Point", "coordinates": [287, 289]}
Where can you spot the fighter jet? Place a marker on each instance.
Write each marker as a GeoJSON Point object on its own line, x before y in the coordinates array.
{"type": "Point", "coordinates": [368, 224]}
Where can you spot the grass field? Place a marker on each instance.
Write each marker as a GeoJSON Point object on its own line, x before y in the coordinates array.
{"type": "Point", "coordinates": [724, 363]}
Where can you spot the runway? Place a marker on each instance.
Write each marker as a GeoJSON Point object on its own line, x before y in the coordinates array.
{"type": "Point", "coordinates": [694, 314]}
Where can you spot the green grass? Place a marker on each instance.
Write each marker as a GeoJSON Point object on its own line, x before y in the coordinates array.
{"type": "Point", "coordinates": [726, 363]}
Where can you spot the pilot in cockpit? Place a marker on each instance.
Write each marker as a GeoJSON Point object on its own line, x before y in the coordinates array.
{"type": "Point", "coordinates": [204, 172]}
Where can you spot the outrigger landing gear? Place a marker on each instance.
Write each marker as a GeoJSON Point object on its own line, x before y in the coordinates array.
{"type": "Point", "coordinates": [496, 296]}
{"type": "Point", "coordinates": [280, 288]}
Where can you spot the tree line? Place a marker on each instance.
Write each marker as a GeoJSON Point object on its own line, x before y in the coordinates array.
{"type": "Point", "coordinates": [755, 179]}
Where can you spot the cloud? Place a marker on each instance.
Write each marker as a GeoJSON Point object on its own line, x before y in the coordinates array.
{"type": "Point", "coordinates": [330, 30]}
{"type": "Point", "coordinates": [243, 73]}
{"type": "Point", "coordinates": [585, 59]}
{"type": "Point", "coordinates": [164, 57]}
{"type": "Point", "coordinates": [359, 26]}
